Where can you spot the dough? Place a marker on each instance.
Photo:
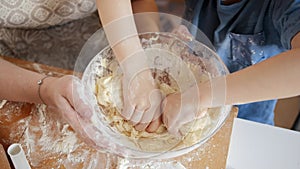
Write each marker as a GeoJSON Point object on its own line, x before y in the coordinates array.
{"type": "Point", "coordinates": [109, 95]}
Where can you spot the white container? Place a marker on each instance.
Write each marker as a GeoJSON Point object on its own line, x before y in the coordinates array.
{"type": "Point", "coordinates": [18, 157]}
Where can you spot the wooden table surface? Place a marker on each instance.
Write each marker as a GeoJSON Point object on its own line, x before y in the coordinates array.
{"type": "Point", "coordinates": [49, 142]}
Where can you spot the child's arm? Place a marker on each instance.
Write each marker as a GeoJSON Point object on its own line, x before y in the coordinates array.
{"type": "Point", "coordinates": [141, 98]}
{"type": "Point", "coordinates": [277, 77]}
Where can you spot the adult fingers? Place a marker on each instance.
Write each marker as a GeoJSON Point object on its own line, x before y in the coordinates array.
{"type": "Point", "coordinates": [72, 117]}
{"type": "Point", "coordinates": [77, 96]}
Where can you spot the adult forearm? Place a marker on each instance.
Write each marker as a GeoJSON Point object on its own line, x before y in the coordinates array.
{"type": "Point", "coordinates": [17, 84]}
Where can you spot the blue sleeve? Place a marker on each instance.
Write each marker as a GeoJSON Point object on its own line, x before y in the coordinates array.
{"type": "Point", "coordinates": [286, 18]}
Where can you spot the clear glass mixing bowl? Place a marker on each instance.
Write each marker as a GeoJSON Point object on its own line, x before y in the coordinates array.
{"type": "Point", "coordinates": [154, 44]}
{"type": "Point", "coordinates": [165, 51]}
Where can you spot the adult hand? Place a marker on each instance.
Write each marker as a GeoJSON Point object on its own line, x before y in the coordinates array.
{"type": "Point", "coordinates": [181, 108]}
{"type": "Point", "coordinates": [67, 96]}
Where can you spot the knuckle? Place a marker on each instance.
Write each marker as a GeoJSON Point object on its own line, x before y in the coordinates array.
{"type": "Point", "coordinates": [126, 114]}
{"type": "Point", "coordinates": [143, 105]}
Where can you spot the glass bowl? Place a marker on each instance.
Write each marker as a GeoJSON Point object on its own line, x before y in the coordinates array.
{"type": "Point", "coordinates": [164, 51]}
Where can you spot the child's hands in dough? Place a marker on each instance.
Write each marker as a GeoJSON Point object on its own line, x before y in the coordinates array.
{"type": "Point", "coordinates": [181, 108]}
{"type": "Point", "coordinates": [142, 101]}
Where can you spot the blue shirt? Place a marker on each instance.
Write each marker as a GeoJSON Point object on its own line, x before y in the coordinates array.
{"type": "Point", "coordinates": [246, 33]}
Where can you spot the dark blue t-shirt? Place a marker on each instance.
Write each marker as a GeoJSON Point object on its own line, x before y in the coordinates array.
{"type": "Point", "coordinates": [245, 33]}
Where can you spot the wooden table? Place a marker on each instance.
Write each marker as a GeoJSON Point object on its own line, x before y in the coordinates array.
{"type": "Point", "coordinates": [49, 142]}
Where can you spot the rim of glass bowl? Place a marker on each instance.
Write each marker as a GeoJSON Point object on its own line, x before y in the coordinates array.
{"type": "Point", "coordinates": [140, 154]}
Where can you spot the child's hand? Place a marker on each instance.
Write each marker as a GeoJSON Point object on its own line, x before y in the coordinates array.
{"type": "Point", "coordinates": [181, 108]}
{"type": "Point", "coordinates": [142, 101]}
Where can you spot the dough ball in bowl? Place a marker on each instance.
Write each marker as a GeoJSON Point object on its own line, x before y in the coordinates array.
{"type": "Point", "coordinates": [175, 65]}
